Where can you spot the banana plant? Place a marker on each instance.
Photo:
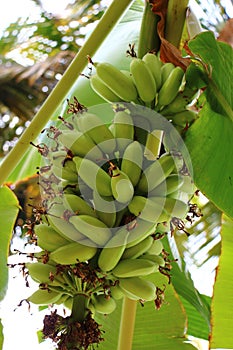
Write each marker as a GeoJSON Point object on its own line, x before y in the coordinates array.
{"type": "Point", "coordinates": [152, 25]}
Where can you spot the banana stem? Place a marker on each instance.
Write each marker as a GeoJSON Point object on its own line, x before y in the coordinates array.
{"type": "Point", "coordinates": [125, 340]}
{"type": "Point", "coordinates": [175, 19]}
{"type": "Point", "coordinates": [80, 307]}
{"type": "Point", "coordinates": [59, 93]}
{"type": "Point", "coordinates": [148, 37]}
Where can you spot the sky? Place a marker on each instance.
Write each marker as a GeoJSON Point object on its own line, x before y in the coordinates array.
{"type": "Point", "coordinates": [24, 333]}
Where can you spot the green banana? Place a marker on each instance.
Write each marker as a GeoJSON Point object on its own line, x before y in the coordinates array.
{"type": "Point", "coordinates": [154, 65]}
{"type": "Point", "coordinates": [121, 186]}
{"type": "Point", "coordinates": [166, 70]}
{"type": "Point", "coordinates": [139, 231]}
{"type": "Point", "coordinates": [92, 228]}
{"type": "Point", "coordinates": [116, 292]}
{"type": "Point", "coordinates": [138, 249]}
{"type": "Point", "coordinates": [137, 288]}
{"type": "Point", "coordinates": [67, 171]}
{"type": "Point", "coordinates": [181, 102]}
{"type": "Point", "coordinates": [173, 207]}
{"type": "Point", "coordinates": [143, 79]}
{"type": "Point", "coordinates": [105, 208]}
{"type": "Point", "coordinates": [153, 144]}
{"type": "Point", "coordinates": [48, 238]}
{"type": "Point", "coordinates": [148, 209]}
{"type": "Point", "coordinates": [117, 81]}
{"type": "Point", "coordinates": [80, 144]}
{"type": "Point", "coordinates": [123, 129]}
{"type": "Point", "coordinates": [183, 118]}
{"type": "Point", "coordinates": [77, 205]}
{"type": "Point", "coordinates": [94, 176]}
{"type": "Point", "coordinates": [44, 297]}
{"type": "Point", "coordinates": [156, 173]}
{"type": "Point", "coordinates": [170, 87]}
{"type": "Point", "coordinates": [132, 161]}
{"type": "Point", "coordinates": [41, 273]}
{"type": "Point", "coordinates": [72, 253]}
{"type": "Point", "coordinates": [103, 304]}
{"type": "Point", "coordinates": [134, 267]}
{"type": "Point", "coordinates": [158, 260]}
{"type": "Point", "coordinates": [102, 89]}
{"type": "Point", "coordinates": [60, 223]}
{"type": "Point", "coordinates": [172, 183]}
{"type": "Point", "coordinates": [93, 126]}
{"type": "Point", "coordinates": [111, 253]}
{"type": "Point", "coordinates": [156, 247]}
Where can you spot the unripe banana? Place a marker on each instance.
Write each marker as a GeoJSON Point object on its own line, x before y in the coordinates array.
{"type": "Point", "coordinates": [143, 79]}
{"type": "Point", "coordinates": [183, 118]}
{"type": "Point", "coordinates": [174, 207]}
{"type": "Point", "coordinates": [158, 260]}
{"type": "Point", "coordinates": [73, 253]}
{"type": "Point", "coordinates": [170, 88]}
{"type": "Point", "coordinates": [48, 238]}
{"type": "Point", "coordinates": [123, 130]}
{"type": "Point", "coordinates": [134, 267]}
{"type": "Point", "coordinates": [44, 297]}
{"type": "Point", "coordinates": [41, 273]}
{"type": "Point", "coordinates": [103, 305]}
{"type": "Point", "coordinates": [132, 161]}
{"type": "Point", "coordinates": [92, 228]}
{"type": "Point", "coordinates": [180, 103]}
{"type": "Point", "coordinates": [121, 186]}
{"type": "Point", "coordinates": [172, 183]}
{"type": "Point", "coordinates": [166, 70]}
{"type": "Point", "coordinates": [93, 126]}
{"type": "Point", "coordinates": [156, 247]}
{"type": "Point", "coordinates": [156, 173]}
{"type": "Point", "coordinates": [67, 171]}
{"type": "Point", "coordinates": [117, 81]}
{"type": "Point", "coordinates": [116, 292]}
{"type": "Point", "coordinates": [94, 176]}
{"type": "Point", "coordinates": [102, 89]}
{"type": "Point", "coordinates": [80, 144]}
{"type": "Point", "coordinates": [111, 254]}
{"type": "Point", "coordinates": [60, 223]}
{"type": "Point", "coordinates": [148, 209]}
{"type": "Point", "coordinates": [77, 205]}
{"type": "Point", "coordinates": [153, 144]}
{"type": "Point", "coordinates": [154, 64]}
{"type": "Point", "coordinates": [105, 208]}
{"type": "Point", "coordinates": [140, 229]}
{"type": "Point", "coordinates": [138, 249]}
{"type": "Point", "coordinates": [138, 288]}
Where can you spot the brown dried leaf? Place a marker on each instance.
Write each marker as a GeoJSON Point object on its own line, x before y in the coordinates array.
{"type": "Point", "coordinates": [226, 33]}
{"type": "Point", "coordinates": [168, 52]}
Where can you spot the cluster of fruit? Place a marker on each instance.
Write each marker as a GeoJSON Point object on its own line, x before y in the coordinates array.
{"type": "Point", "coordinates": [150, 82]}
{"type": "Point", "coordinates": [108, 200]}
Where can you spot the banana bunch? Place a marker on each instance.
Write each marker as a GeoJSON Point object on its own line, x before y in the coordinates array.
{"type": "Point", "coordinates": [107, 200]}
{"type": "Point", "coordinates": [150, 82]}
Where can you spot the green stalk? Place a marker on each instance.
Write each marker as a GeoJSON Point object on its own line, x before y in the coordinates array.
{"type": "Point", "coordinates": [175, 19]}
{"type": "Point", "coordinates": [125, 340]}
{"type": "Point", "coordinates": [80, 307]}
{"type": "Point", "coordinates": [148, 37]}
{"type": "Point", "coordinates": [103, 28]}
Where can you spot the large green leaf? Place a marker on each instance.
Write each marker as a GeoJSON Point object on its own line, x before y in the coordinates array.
{"type": "Point", "coordinates": [221, 318]}
{"type": "Point", "coordinates": [209, 139]}
{"type": "Point", "coordinates": [1, 336]}
{"type": "Point", "coordinates": [9, 208]}
{"type": "Point", "coordinates": [154, 329]}
{"type": "Point", "coordinates": [196, 305]}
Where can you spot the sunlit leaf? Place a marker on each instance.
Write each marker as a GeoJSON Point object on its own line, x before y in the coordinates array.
{"type": "Point", "coordinates": [209, 139]}
{"type": "Point", "coordinates": [221, 319]}
{"type": "Point", "coordinates": [1, 335]}
{"type": "Point", "coordinates": [8, 212]}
